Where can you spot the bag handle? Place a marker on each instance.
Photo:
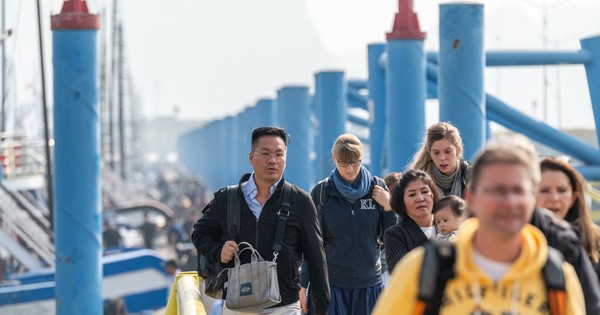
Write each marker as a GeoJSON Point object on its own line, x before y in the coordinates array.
{"type": "Point", "coordinates": [255, 256]}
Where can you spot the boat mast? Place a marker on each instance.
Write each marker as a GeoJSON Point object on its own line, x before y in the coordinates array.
{"type": "Point", "coordinates": [3, 113]}
{"type": "Point", "coordinates": [46, 127]}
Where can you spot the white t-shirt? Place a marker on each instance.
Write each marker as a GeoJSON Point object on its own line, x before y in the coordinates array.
{"type": "Point", "coordinates": [429, 231]}
{"type": "Point", "coordinates": [493, 268]}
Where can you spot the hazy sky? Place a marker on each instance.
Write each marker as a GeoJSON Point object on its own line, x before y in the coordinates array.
{"type": "Point", "coordinates": [212, 58]}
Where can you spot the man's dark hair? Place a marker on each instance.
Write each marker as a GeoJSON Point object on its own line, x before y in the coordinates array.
{"type": "Point", "coordinates": [259, 132]}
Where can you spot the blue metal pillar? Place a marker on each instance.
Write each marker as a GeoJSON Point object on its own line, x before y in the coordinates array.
{"type": "Point", "coordinates": [377, 108]}
{"type": "Point", "coordinates": [294, 117]}
{"type": "Point", "coordinates": [592, 70]}
{"type": "Point", "coordinates": [331, 107]}
{"type": "Point", "coordinates": [235, 150]}
{"type": "Point", "coordinates": [460, 77]}
{"type": "Point", "coordinates": [78, 241]}
{"type": "Point", "coordinates": [266, 112]}
{"type": "Point", "coordinates": [227, 141]}
{"type": "Point", "coordinates": [405, 86]}
{"type": "Point", "coordinates": [221, 147]}
{"type": "Point", "coordinates": [245, 139]}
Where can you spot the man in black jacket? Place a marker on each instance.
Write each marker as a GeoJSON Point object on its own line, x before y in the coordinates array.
{"type": "Point", "coordinates": [561, 236]}
{"type": "Point", "coordinates": [261, 194]}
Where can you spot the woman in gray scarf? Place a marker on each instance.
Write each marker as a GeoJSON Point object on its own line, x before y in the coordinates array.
{"type": "Point", "coordinates": [441, 158]}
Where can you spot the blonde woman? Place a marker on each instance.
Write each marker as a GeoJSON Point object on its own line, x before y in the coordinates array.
{"type": "Point", "coordinates": [441, 158]}
{"type": "Point", "coordinates": [354, 210]}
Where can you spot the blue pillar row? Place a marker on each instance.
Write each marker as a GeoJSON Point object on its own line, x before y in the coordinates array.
{"type": "Point", "coordinates": [330, 105]}
{"type": "Point", "coordinates": [78, 230]}
{"type": "Point", "coordinates": [592, 70]}
{"type": "Point", "coordinates": [294, 115]}
{"type": "Point", "coordinates": [377, 109]}
{"type": "Point", "coordinates": [460, 77]}
{"type": "Point", "coordinates": [406, 94]}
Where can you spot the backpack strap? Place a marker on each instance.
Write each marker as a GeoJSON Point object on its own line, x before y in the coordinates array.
{"type": "Point", "coordinates": [322, 196]}
{"type": "Point", "coordinates": [233, 211]}
{"type": "Point", "coordinates": [555, 282]}
{"type": "Point", "coordinates": [438, 267]}
{"type": "Point", "coordinates": [380, 182]}
{"type": "Point", "coordinates": [320, 202]}
{"type": "Point", "coordinates": [436, 270]}
{"type": "Point", "coordinates": [282, 214]}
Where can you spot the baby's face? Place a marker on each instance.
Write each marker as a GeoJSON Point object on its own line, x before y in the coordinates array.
{"type": "Point", "coordinates": [446, 221]}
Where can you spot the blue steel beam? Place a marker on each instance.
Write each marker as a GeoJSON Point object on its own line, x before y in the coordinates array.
{"type": "Point", "coordinates": [357, 99]}
{"type": "Point", "coordinates": [505, 58]}
{"type": "Point", "coordinates": [357, 84]}
{"type": "Point", "coordinates": [377, 109]}
{"type": "Point", "coordinates": [406, 94]}
{"type": "Point", "coordinates": [294, 115]}
{"type": "Point", "coordinates": [78, 216]}
{"type": "Point", "coordinates": [361, 121]}
{"type": "Point", "coordinates": [405, 86]}
{"type": "Point", "coordinates": [592, 71]}
{"type": "Point", "coordinates": [330, 106]}
{"type": "Point", "coordinates": [267, 112]}
{"type": "Point", "coordinates": [227, 176]}
{"type": "Point", "coordinates": [235, 172]}
{"type": "Point", "coordinates": [591, 173]}
{"type": "Point", "coordinates": [460, 76]}
{"type": "Point", "coordinates": [501, 113]}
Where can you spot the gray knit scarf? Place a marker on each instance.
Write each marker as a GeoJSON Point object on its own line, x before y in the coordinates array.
{"type": "Point", "coordinates": [452, 183]}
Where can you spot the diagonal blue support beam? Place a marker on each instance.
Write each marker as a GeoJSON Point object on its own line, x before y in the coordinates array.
{"type": "Point", "coordinates": [501, 113]}
{"type": "Point", "coordinates": [357, 84]}
{"type": "Point", "coordinates": [355, 99]}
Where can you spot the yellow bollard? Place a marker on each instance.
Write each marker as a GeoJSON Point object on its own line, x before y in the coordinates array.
{"type": "Point", "coordinates": [185, 298]}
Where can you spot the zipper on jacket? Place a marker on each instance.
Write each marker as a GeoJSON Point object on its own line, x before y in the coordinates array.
{"type": "Point", "coordinates": [354, 241]}
{"type": "Point", "coordinates": [256, 239]}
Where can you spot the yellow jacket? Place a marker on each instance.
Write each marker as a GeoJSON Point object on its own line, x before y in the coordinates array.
{"type": "Point", "coordinates": [520, 291]}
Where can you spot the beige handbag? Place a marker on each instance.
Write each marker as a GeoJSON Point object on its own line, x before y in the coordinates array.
{"type": "Point", "coordinates": [252, 287]}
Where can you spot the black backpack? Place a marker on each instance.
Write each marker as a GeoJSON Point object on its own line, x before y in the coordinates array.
{"type": "Point", "coordinates": [438, 268]}
{"type": "Point", "coordinates": [210, 271]}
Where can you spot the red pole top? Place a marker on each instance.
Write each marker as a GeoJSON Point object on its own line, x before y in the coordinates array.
{"type": "Point", "coordinates": [75, 16]}
{"type": "Point", "coordinates": [406, 23]}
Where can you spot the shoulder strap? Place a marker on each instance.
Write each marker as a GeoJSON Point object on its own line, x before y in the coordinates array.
{"type": "Point", "coordinates": [555, 282]}
{"type": "Point", "coordinates": [380, 182]}
{"type": "Point", "coordinates": [436, 270]}
{"type": "Point", "coordinates": [283, 213]}
{"type": "Point", "coordinates": [233, 211]}
{"type": "Point", "coordinates": [322, 196]}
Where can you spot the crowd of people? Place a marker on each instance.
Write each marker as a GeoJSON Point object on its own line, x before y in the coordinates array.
{"type": "Point", "coordinates": [491, 237]}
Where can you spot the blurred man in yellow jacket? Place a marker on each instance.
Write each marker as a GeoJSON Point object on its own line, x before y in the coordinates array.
{"type": "Point", "coordinates": [499, 256]}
